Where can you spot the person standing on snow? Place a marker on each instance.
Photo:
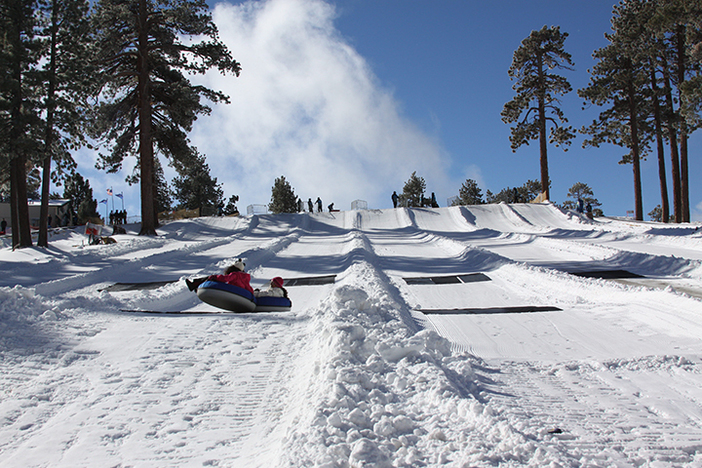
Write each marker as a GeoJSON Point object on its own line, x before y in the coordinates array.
{"type": "Point", "coordinates": [319, 205]}
{"type": "Point", "coordinates": [275, 289]}
{"type": "Point", "coordinates": [233, 275]}
{"type": "Point", "coordinates": [394, 199]}
{"type": "Point", "coordinates": [309, 205]}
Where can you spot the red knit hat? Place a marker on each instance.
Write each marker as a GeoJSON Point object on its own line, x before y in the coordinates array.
{"type": "Point", "coordinates": [277, 282]}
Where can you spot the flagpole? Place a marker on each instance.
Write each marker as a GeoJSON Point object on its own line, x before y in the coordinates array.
{"type": "Point", "coordinates": [109, 192]}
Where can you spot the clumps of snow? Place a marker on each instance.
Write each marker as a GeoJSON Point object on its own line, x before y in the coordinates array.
{"type": "Point", "coordinates": [27, 321]}
{"type": "Point", "coordinates": [21, 303]}
{"type": "Point", "coordinates": [384, 396]}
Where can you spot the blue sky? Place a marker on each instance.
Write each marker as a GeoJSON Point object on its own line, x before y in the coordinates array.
{"type": "Point", "coordinates": [447, 63]}
{"type": "Point", "coordinates": [347, 98]}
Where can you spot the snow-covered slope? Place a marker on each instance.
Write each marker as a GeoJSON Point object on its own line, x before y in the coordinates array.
{"type": "Point", "coordinates": [519, 363]}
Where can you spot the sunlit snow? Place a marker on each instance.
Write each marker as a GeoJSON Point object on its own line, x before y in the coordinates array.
{"type": "Point", "coordinates": [356, 375]}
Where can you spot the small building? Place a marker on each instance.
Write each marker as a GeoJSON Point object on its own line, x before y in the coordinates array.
{"type": "Point", "coordinates": [58, 210]}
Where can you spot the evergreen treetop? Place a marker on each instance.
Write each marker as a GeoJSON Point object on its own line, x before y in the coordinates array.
{"type": "Point", "coordinates": [283, 198]}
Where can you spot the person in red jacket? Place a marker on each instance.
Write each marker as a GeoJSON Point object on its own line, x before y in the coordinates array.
{"type": "Point", "coordinates": [233, 275]}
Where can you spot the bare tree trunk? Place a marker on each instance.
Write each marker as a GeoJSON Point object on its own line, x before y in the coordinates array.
{"type": "Point", "coordinates": [673, 138]}
{"type": "Point", "coordinates": [21, 231]}
{"type": "Point", "coordinates": [633, 124]}
{"type": "Point", "coordinates": [43, 240]}
{"type": "Point", "coordinates": [665, 209]}
{"type": "Point", "coordinates": [543, 148]}
{"type": "Point", "coordinates": [684, 180]}
{"type": "Point", "coordinates": [146, 148]}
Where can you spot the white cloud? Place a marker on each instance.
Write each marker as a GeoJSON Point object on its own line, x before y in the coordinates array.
{"type": "Point", "coordinates": [474, 172]}
{"type": "Point", "coordinates": [308, 107]}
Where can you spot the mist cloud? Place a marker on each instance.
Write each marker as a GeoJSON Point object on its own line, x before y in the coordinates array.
{"type": "Point", "coordinates": [307, 106]}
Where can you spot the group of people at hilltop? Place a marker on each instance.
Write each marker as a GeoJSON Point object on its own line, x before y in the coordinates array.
{"type": "Point", "coordinates": [423, 201]}
{"type": "Point", "coordinates": [311, 205]}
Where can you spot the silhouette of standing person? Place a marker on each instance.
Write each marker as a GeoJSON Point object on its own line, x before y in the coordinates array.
{"type": "Point", "coordinates": [319, 205]}
{"type": "Point", "coordinates": [394, 199]}
{"type": "Point", "coordinates": [309, 205]}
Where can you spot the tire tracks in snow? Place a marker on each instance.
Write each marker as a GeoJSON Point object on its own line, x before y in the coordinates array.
{"type": "Point", "coordinates": [600, 412]}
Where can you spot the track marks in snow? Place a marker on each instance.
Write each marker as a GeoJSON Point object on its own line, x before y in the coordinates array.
{"type": "Point", "coordinates": [179, 390]}
{"type": "Point", "coordinates": [609, 412]}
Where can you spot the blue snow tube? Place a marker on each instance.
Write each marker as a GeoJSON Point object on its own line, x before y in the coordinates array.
{"type": "Point", "coordinates": [272, 304]}
{"type": "Point", "coordinates": [226, 296]}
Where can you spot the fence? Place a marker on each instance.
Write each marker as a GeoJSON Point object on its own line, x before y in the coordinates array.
{"type": "Point", "coordinates": [256, 209]}
{"type": "Point", "coordinates": [359, 205]}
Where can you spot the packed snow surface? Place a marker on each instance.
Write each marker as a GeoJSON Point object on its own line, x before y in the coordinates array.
{"type": "Point", "coordinates": [527, 361]}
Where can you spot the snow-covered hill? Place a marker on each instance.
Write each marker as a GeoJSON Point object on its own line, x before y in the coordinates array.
{"type": "Point", "coordinates": [464, 336]}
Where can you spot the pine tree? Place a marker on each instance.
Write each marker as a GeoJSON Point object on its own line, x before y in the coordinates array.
{"type": "Point", "coordinates": [536, 102]}
{"type": "Point", "coordinates": [197, 189]}
{"type": "Point", "coordinates": [580, 191]}
{"type": "Point", "coordinates": [79, 192]}
{"type": "Point", "coordinates": [530, 190]}
{"type": "Point", "coordinates": [283, 198]}
{"type": "Point", "coordinates": [677, 23]}
{"type": "Point", "coordinates": [231, 208]}
{"type": "Point", "coordinates": [149, 102]}
{"type": "Point", "coordinates": [20, 53]}
{"type": "Point", "coordinates": [506, 195]}
{"type": "Point", "coordinates": [69, 81]}
{"type": "Point", "coordinates": [470, 193]}
{"type": "Point", "coordinates": [413, 191]}
{"type": "Point", "coordinates": [656, 214]}
{"type": "Point", "coordinates": [620, 79]}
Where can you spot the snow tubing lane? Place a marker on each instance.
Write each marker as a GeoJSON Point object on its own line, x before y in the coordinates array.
{"type": "Point", "coordinates": [226, 296]}
{"type": "Point", "coordinates": [272, 304]}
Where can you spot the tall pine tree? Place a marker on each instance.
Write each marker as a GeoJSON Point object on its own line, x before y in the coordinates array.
{"type": "Point", "coordinates": [149, 104]}
{"type": "Point", "coordinates": [69, 81]}
{"type": "Point", "coordinates": [619, 79]}
{"type": "Point", "coordinates": [677, 23]}
{"type": "Point", "coordinates": [536, 104]}
{"type": "Point", "coordinates": [20, 53]}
